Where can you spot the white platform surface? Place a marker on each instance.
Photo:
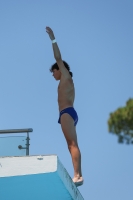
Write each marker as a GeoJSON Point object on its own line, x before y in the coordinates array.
{"type": "Point", "coordinates": [36, 178]}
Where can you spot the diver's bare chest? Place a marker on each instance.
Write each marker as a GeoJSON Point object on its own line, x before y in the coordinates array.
{"type": "Point", "coordinates": [63, 87]}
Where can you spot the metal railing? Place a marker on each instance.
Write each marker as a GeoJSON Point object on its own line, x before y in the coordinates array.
{"type": "Point", "coordinates": [27, 130]}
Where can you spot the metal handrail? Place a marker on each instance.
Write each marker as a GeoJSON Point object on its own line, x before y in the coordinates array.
{"type": "Point", "coordinates": [16, 131]}
{"type": "Point", "coordinates": [27, 130]}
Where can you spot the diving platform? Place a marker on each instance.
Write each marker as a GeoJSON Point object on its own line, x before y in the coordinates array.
{"type": "Point", "coordinates": [36, 178]}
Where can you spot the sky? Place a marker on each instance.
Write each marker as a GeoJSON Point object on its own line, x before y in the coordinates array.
{"type": "Point", "coordinates": [96, 39]}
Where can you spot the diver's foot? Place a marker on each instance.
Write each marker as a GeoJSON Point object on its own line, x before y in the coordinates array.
{"type": "Point", "coordinates": [78, 181]}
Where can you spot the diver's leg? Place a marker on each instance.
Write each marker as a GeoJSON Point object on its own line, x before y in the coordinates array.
{"type": "Point", "coordinates": [68, 128]}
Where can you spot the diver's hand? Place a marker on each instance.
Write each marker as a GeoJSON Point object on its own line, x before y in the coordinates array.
{"type": "Point", "coordinates": [50, 33]}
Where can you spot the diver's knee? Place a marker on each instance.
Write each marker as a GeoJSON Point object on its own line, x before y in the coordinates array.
{"type": "Point", "coordinates": [72, 144]}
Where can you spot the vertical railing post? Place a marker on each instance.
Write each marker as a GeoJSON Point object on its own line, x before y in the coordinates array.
{"type": "Point", "coordinates": [27, 144]}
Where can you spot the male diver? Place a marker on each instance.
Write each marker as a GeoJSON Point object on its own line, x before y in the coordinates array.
{"type": "Point", "coordinates": [68, 117]}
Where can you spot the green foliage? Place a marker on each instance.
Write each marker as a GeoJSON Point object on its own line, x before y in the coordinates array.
{"type": "Point", "coordinates": [121, 123]}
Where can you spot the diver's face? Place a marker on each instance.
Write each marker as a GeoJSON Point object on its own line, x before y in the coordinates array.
{"type": "Point", "coordinates": [56, 74]}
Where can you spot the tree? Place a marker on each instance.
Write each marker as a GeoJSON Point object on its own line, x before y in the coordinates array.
{"type": "Point", "coordinates": [121, 123]}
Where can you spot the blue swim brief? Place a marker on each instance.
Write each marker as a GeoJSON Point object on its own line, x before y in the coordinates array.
{"type": "Point", "coordinates": [71, 111]}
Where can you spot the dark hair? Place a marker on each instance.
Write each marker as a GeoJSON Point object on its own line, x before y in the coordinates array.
{"type": "Point", "coordinates": [55, 66]}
